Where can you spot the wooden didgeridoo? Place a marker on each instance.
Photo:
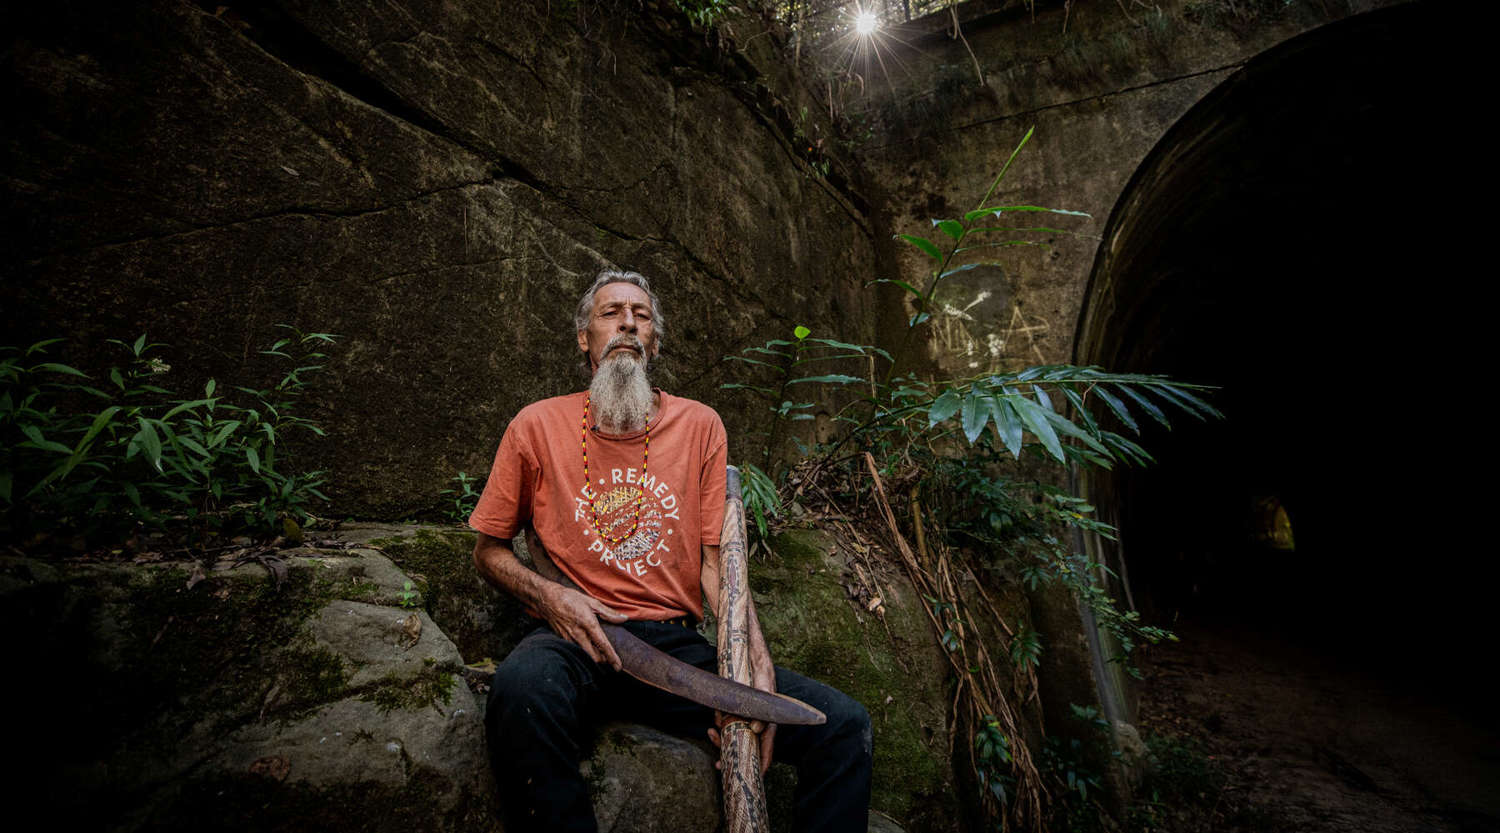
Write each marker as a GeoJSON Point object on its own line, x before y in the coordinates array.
{"type": "Point", "coordinates": [739, 748]}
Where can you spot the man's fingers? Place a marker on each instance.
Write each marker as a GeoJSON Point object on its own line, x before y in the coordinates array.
{"type": "Point", "coordinates": [582, 640]}
{"type": "Point", "coordinates": [767, 747]}
{"type": "Point", "coordinates": [607, 655]}
{"type": "Point", "coordinates": [607, 612]}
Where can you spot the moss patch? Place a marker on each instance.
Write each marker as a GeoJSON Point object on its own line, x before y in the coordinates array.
{"type": "Point", "coordinates": [229, 647]}
{"type": "Point", "coordinates": [481, 621]}
{"type": "Point", "coordinates": [428, 688]}
{"type": "Point", "coordinates": [813, 628]}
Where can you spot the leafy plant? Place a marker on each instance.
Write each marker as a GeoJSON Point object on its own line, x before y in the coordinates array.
{"type": "Point", "coordinates": [1073, 763]}
{"type": "Point", "coordinates": [787, 363]}
{"type": "Point", "coordinates": [954, 445]}
{"type": "Point", "coordinates": [704, 13]}
{"type": "Point", "coordinates": [407, 596]}
{"type": "Point", "coordinates": [761, 499]}
{"type": "Point", "coordinates": [148, 458]}
{"type": "Point", "coordinates": [463, 498]}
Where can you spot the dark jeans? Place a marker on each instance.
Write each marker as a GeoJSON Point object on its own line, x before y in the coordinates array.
{"type": "Point", "coordinates": [548, 696]}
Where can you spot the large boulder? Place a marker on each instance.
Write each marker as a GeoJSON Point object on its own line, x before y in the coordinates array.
{"type": "Point", "coordinates": [298, 693]}
{"type": "Point", "coordinates": [319, 689]}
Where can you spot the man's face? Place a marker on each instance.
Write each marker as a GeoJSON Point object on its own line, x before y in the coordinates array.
{"type": "Point", "coordinates": [620, 325]}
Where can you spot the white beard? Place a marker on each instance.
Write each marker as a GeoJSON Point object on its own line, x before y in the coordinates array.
{"type": "Point", "coordinates": [621, 394]}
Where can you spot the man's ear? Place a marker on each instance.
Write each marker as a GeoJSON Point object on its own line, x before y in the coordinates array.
{"type": "Point", "coordinates": [583, 341]}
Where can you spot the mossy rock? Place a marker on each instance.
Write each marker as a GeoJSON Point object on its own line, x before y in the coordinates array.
{"type": "Point", "coordinates": [895, 669]}
{"type": "Point", "coordinates": [481, 621]}
{"type": "Point", "coordinates": [179, 669]}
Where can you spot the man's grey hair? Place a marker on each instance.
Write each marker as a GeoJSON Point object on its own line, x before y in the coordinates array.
{"type": "Point", "coordinates": [609, 276]}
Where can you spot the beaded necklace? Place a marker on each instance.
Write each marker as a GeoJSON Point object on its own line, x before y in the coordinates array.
{"type": "Point", "coordinates": [640, 494]}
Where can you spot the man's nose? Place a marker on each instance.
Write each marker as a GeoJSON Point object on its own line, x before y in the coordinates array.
{"type": "Point", "coordinates": [627, 322]}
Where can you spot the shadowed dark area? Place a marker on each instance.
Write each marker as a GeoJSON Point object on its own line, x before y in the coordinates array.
{"type": "Point", "coordinates": [1268, 247]}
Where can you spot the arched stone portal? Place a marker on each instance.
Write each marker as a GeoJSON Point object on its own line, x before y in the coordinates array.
{"type": "Point", "coordinates": [1279, 242]}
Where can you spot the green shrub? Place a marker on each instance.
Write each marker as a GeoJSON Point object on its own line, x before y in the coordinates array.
{"type": "Point", "coordinates": [99, 460]}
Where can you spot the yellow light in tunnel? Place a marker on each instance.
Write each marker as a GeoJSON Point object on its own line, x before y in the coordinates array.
{"type": "Point", "coordinates": [866, 23]}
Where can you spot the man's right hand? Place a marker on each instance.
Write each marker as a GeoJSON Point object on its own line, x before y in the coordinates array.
{"type": "Point", "coordinates": [575, 617]}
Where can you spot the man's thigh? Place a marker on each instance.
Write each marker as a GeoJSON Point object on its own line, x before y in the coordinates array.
{"type": "Point", "coordinates": [548, 671]}
{"type": "Point", "coordinates": [646, 704]}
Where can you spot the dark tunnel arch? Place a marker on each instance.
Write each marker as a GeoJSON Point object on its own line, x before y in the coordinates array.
{"type": "Point", "coordinates": [1270, 244]}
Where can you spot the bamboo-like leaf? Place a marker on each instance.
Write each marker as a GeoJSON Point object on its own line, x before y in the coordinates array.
{"type": "Point", "coordinates": [952, 228]}
{"type": "Point", "coordinates": [1007, 424]}
{"type": "Point", "coordinates": [1148, 405]}
{"type": "Point", "coordinates": [1021, 230]}
{"type": "Point", "coordinates": [41, 346]}
{"type": "Point", "coordinates": [844, 345]}
{"type": "Point", "coordinates": [1129, 449]}
{"type": "Point", "coordinates": [943, 407]}
{"type": "Point", "coordinates": [194, 446]}
{"type": "Point", "coordinates": [1042, 398]}
{"type": "Point", "coordinates": [739, 386]}
{"type": "Point", "coordinates": [1002, 209]}
{"type": "Point", "coordinates": [1083, 413]}
{"type": "Point", "coordinates": [903, 284]}
{"type": "Point", "coordinates": [747, 360]}
{"type": "Point", "coordinates": [140, 344]}
{"type": "Point", "coordinates": [918, 319]}
{"type": "Point", "coordinates": [974, 414]}
{"type": "Point", "coordinates": [184, 406]}
{"type": "Point", "coordinates": [253, 458]}
{"type": "Point", "coordinates": [1035, 418]}
{"type": "Point", "coordinates": [1002, 245]}
{"type": "Point", "coordinates": [1062, 424]}
{"type": "Point", "coordinates": [150, 442]}
{"type": "Point", "coordinates": [830, 379]}
{"type": "Point", "coordinates": [1117, 407]}
{"type": "Point", "coordinates": [223, 433]}
{"type": "Point", "coordinates": [54, 367]}
{"type": "Point", "coordinates": [1193, 403]}
{"type": "Point", "coordinates": [34, 434]}
{"type": "Point", "coordinates": [924, 244]}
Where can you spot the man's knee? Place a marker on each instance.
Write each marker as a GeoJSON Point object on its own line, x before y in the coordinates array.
{"type": "Point", "coordinates": [540, 677]}
{"type": "Point", "coordinates": [849, 720]}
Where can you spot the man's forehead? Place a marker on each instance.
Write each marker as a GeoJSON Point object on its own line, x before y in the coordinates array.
{"type": "Point", "coordinates": [620, 292]}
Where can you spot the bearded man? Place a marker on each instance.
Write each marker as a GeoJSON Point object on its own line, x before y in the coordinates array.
{"type": "Point", "coordinates": [623, 486]}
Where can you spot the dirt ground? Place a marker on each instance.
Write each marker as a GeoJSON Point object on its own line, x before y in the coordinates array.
{"type": "Point", "coordinates": [1299, 740]}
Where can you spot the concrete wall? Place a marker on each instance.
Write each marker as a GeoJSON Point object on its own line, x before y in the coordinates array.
{"type": "Point", "coordinates": [1101, 83]}
{"type": "Point", "coordinates": [435, 181]}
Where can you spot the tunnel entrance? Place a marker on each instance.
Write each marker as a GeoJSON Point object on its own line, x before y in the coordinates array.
{"type": "Point", "coordinates": [1277, 243]}
{"type": "Point", "coordinates": [1319, 550]}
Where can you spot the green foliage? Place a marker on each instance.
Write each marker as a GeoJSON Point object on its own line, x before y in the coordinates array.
{"type": "Point", "coordinates": [407, 595]}
{"type": "Point", "coordinates": [788, 368]}
{"type": "Point", "coordinates": [463, 498]}
{"type": "Point", "coordinates": [956, 445]}
{"type": "Point", "coordinates": [994, 760]}
{"type": "Point", "coordinates": [1183, 789]}
{"type": "Point", "coordinates": [705, 13]}
{"type": "Point", "coordinates": [428, 687]}
{"type": "Point", "coordinates": [761, 500]}
{"type": "Point", "coordinates": [102, 459]}
{"type": "Point", "coordinates": [1074, 765]}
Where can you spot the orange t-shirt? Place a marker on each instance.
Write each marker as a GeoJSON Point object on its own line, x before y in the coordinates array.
{"type": "Point", "coordinates": [537, 480]}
